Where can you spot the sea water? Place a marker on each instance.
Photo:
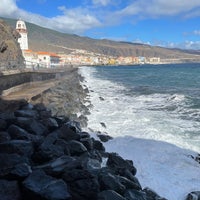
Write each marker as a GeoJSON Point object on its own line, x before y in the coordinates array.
{"type": "Point", "coordinates": [160, 102]}
{"type": "Point", "coordinates": [153, 113]}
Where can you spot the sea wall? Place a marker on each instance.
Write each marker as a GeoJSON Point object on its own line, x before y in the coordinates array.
{"type": "Point", "coordinates": [21, 77]}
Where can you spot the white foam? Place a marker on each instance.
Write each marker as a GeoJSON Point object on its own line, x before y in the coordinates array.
{"type": "Point", "coordinates": [165, 168]}
{"type": "Point", "coordinates": [140, 125]}
{"type": "Point", "coordinates": [155, 116]}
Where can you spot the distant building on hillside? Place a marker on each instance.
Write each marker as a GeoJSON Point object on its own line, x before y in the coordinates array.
{"type": "Point", "coordinates": [21, 29]}
{"type": "Point", "coordinates": [47, 59]}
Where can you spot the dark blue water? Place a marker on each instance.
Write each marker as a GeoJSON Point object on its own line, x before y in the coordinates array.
{"type": "Point", "coordinates": [153, 101]}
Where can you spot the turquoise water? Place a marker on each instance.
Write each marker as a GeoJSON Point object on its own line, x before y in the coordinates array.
{"type": "Point", "coordinates": [160, 102]}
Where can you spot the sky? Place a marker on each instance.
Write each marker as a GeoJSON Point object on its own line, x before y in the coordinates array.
{"type": "Point", "coordinates": [168, 23]}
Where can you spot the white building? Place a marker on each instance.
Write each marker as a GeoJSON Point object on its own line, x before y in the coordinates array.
{"type": "Point", "coordinates": [23, 40]}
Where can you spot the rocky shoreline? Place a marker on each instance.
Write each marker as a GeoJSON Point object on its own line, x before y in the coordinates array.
{"type": "Point", "coordinates": [45, 154]}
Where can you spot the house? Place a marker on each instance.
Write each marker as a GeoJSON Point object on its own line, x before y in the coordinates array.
{"type": "Point", "coordinates": [47, 59]}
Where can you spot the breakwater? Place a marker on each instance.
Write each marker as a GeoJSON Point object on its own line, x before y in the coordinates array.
{"type": "Point", "coordinates": [48, 156]}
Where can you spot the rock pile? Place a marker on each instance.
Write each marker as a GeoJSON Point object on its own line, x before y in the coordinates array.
{"type": "Point", "coordinates": [47, 157]}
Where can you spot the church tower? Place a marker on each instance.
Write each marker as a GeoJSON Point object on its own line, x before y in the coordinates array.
{"type": "Point", "coordinates": [23, 40]}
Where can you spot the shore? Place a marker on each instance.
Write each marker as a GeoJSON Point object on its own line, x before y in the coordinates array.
{"type": "Point", "coordinates": [55, 158]}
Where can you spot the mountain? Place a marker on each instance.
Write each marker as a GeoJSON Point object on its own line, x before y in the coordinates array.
{"type": "Point", "coordinates": [43, 39]}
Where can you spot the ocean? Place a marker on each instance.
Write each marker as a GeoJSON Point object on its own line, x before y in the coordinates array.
{"type": "Point", "coordinates": [153, 114]}
{"type": "Point", "coordinates": [160, 102]}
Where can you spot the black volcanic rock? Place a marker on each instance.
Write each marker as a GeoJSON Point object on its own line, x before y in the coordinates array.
{"type": "Point", "coordinates": [39, 185]}
{"type": "Point", "coordinates": [9, 190]}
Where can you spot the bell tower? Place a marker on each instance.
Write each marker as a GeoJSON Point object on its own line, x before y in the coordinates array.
{"type": "Point", "coordinates": [21, 29]}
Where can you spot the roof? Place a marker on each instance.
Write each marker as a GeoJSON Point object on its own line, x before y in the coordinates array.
{"type": "Point", "coordinates": [47, 54]}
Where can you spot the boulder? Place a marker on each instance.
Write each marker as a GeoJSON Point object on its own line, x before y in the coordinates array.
{"type": "Point", "coordinates": [9, 190]}
{"type": "Point", "coordinates": [31, 125]}
{"type": "Point", "coordinates": [129, 184]}
{"type": "Point", "coordinates": [104, 137]}
{"type": "Point", "coordinates": [39, 185]}
{"type": "Point", "coordinates": [132, 194]}
{"type": "Point", "coordinates": [67, 133]}
{"type": "Point", "coordinates": [26, 113]}
{"type": "Point", "coordinates": [193, 196]}
{"type": "Point", "coordinates": [9, 117]}
{"type": "Point", "coordinates": [4, 136]}
{"type": "Point", "coordinates": [87, 142]}
{"type": "Point", "coordinates": [21, 170]}
{"type": "Point", "coordinates": [20, 147]}
{"type": "Point", "coordinates": [110, 195]}
{"type": "Point", "coordinates": [18, 133]}
{"type": "Point", "coordinates": [9, 163]}
{"type": "Point", "coordinates": [76, 148]}
{"type": "Point", "coordinates": [151, 195]}
{"type": "Point", "coordinates": [50, 123]}
{"type": "Point", "coordinates": [83, 184]}
{"type": "Point", "coordinates": [59, 165]}
{"type": "Point", "coordinates": [3, 125]}
{"type": "Point", "coordinates": [109, 181]}
{"type": "Point", "coordinates": [118, 164]}
{"type": "Point", "coordinates": [98, 145]}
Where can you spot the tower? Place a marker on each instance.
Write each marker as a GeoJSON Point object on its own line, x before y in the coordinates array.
{"type": "Point", "coordinates": [21, 29]}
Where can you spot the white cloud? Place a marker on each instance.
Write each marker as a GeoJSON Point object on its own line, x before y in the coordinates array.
{"type": "Point", "coordinates": [101, 2]}
{"type": "Point", "coordinates": [75, 20]}
{"type": "Point", "coordinates": [196, 32]}
{"type": "Point", "coordinates": [157, 8]}
{"type": "Point", "coordinates": [8, 7]}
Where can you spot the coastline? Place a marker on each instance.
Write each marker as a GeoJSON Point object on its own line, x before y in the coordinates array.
{"type": "Point", "coordinates": [70, 90]}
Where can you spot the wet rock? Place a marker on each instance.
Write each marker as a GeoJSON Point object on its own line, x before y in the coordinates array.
{"type": "Point", "coordinates": [4, 136]}
{"type": "Point", "coordinates": [9, 117]}
{"type": "Point", "coordinates": [26, 113]}
{"type": "Point", "coordinates": [118, 164]}
{"type": "Point", "coordinates": [20, 147]}
{"type": "Point", "coordinates": [98, 145]}
{"type": "Point", "coordinates": [68, 133]}
{"type": "Point", "coordinates": [193, 196]}
{"type": "Point", "coordinates": [18, 133]}
{"type": "Point", "coordinates": [132, 194]}
{"type": "Point", "coordinates": [151, 195]}
{"type": "Point", "coordinates": [129, 184]}
{"type": "Point", "coordinates": [39, 185]}
{"type": "Point", "coordinates": [31, 125]}
{"type": "Point", "coordinates": [9, 162]}
{"type": "Point", "coordinates": [21, 170]}
{"type": "Point", "coordinates": [9, 190]}
{"type": "Point", "coordinates": [82, 183]}
{"type": "Point", "coordinates": [87, 142]}
{"type": "Point", "coordinates": [104, 137]}
{"type": "Point", "coordinates": [109, 181]}
{"type": "Point", "coordinates": [91, 164]}
{"type": "Point", "coordinates": [103, 124]}
{"type": "Point", "coordinates": [3, 125]}
{"type": "Point", "coordinates": [110, 194]}
{"type": "Point", "coordinates": [59, 165]}
{"type": "Point", "coordinates": [74, 125]}
{"type": "Point", "coordinates": [50, 123]}
{"type": "Point", "coordinates": [76, 148]}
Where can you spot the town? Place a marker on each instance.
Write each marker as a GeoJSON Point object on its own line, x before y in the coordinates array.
{"type": "Point", "coordinates": [75, 57]}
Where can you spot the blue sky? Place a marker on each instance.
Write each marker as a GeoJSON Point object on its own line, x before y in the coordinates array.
{"type": "Point", "coordinates": [169, 23]}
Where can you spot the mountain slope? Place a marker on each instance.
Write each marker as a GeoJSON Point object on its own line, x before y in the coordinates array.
{"type": "Point", "coordinates": [43, 39]}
